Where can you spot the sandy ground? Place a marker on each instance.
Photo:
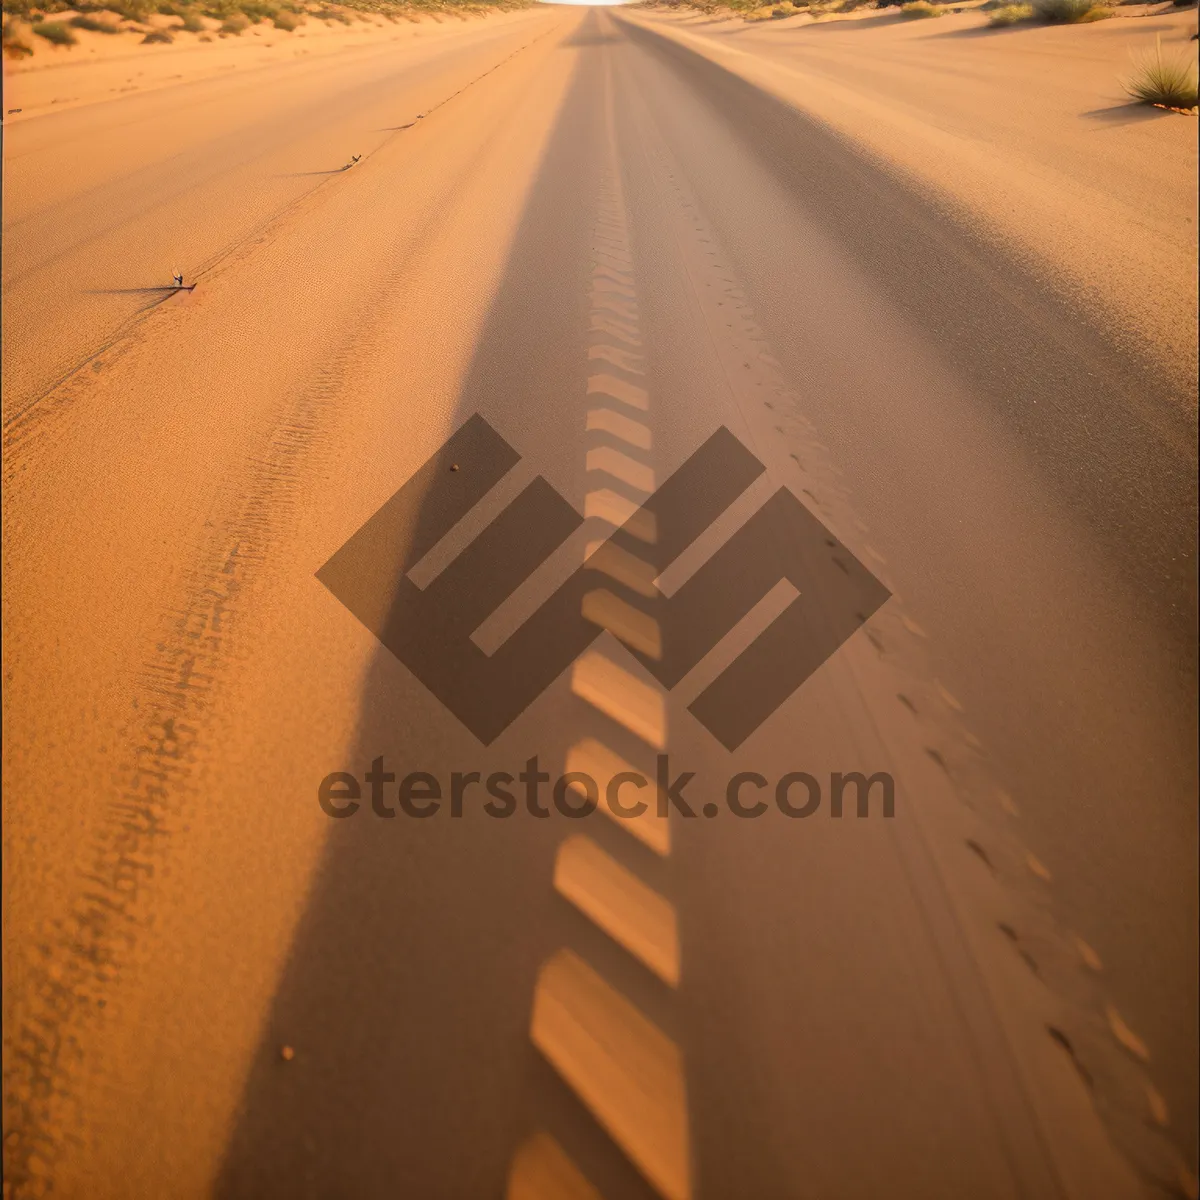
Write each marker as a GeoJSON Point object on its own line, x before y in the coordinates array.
{"type": "Point", "coordinates": [609, 246]}
{"type": "Point", "coordinates": [1025, 132]}
{"type": "Point", "coordinates": [102, 65]}
{"type": "Point", "coordinates": [120, 213]}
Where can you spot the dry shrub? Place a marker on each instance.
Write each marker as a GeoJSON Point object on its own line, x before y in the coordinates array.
{"type": "Point", "coordinates": [55, 32]}
{"type": "Point", "coordinates": [1165, 83]}
{"type": "Point", "coordinates": [1068, 12]}
{"type": "Point", "coordinates": [1009, 14]}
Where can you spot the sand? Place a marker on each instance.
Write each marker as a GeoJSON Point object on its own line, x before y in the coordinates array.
{"type": "Point", "coordinates": [1025, 133]}
{"type": "Point", "coordinates": [177, 468]}
{"type": "Point", "coordinates": [104, 65]}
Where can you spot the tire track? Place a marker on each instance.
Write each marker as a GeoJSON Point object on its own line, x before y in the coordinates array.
{"type": "Point", "coordinates": [621, 1066]}
{"type": "Point", "coordinates": [1016, 904]}
{"type": "Point", "coordinates": [85, 956]}
{"type": "Point", "coordinates": [16, 422]}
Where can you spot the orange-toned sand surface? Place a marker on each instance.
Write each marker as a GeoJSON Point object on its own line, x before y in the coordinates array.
{"type": "Point", "coordinates": [935, 279]}
{"type": "Point", "coordinates": [1027, 132]}
{"type": "Point", "coordinates": [101, 65]}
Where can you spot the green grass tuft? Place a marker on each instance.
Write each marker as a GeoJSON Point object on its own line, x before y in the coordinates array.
{"type": "Point", "coordinates": [920, 9]}
{"type": "Point", "coordinates": [92, 25]}
{"type": "Point", "coordinates": [56, 32]}
{"type": "Point", "coordinates": [1167, 83]}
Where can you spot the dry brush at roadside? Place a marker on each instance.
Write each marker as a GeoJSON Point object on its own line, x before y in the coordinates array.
{"type": "Point", "coordinates": [1000, 13]}
{"type": "Point", "coordinates": [1164, 82]}
{"type": "Point", "coordinates": [58, 21]}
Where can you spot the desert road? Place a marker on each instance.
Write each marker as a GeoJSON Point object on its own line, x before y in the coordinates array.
{"type": "Point", "coordinates": [662, 367]}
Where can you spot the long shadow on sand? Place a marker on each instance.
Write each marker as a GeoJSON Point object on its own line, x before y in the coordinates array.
{"type": "Point", "coordinates": [408, 991]}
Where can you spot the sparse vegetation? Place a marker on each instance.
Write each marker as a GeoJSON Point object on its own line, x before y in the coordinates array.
{"type": "Point", "coordinates": [919, 9]}
{"type": "Point", "coordinates": [92, 25]}
{"type": "Point", "coordinates": [1068, 12]}
{"type": "Point", "coordinates": [26, 18]}
{"type": "Point", "coordinates": [103, 16]}
{"type": "Point", "coordinates": [15, 46]}
{"type": "Point", "coordinates": [1003, 15]}
{"type": "Point", "coordinates": [131, 10]}
{"type": "Point", "coordinates": [55, 31]}
{"type": "Point", "coordinates": [1165, 83]}
{"type": "Point", "coordinates": [257, 11]}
